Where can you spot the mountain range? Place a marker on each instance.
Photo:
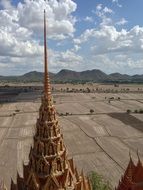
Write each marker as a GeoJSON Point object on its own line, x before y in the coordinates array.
{"type": "Point", "coordinates": [74, 76]}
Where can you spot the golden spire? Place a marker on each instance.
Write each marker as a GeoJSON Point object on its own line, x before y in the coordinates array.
{"type": "Point", "coordinates": [48, 167]}
{"type": "Point", "coordinates": [47, 88]}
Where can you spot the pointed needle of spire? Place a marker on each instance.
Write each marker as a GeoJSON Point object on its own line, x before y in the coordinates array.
{"type": "Point", "coordinates": [47, 88]}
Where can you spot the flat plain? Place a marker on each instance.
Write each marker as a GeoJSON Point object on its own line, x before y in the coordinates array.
{"type": "Point", "coordinates": [98, 141]}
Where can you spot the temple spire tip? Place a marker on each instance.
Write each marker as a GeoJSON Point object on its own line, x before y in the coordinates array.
{"type": "Point", "coordinates": [47, 89]}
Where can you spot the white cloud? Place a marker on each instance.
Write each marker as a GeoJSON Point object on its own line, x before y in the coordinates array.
{"type": "Point", "coordinates": [6, 4]}
{"type": "Point", "coordinates": [107, 10]}
{"type": "Point", "coordinates": [117, 63]}
{"type": "Point", "coordinates": [117, 3]}
{"type": "Point", "coordinates": [108, 40]}
{"type": "Point", "coordinates": [19, 65]}
{"type": "Point", "coordinates": [123, 21]}
{"type": "Point", "coordinates": [88, 33]}
{"type": "Point", "coordinates": [60, 20]}
{"type": "Point", "coordinates": [112, 50]}
{"type": "Point", "coordinates": [135, 64]}
{"type": "Point", "coordinates": [65, 60]}
{"type": "Point", "coordinates": [12, 44]}
{"type": "Point", "coordinates": [99, 7]}
{"type": "Point", "coordinates": [57, 60]}
{"type": "Point", "coordinates": [29, 16]}
{"type": "Point", "coordinates": [88, 19]}
{"type": "Point", "coordinates": [103, 47]}
{"type": "Point", "coordinates": [76, 48]}
{"type": "Point", "coordinates": [103, 13]}
{"type": "Point", "coordinates": [106, 21]}
{"type": "Point", "coordinates": [21, 30]}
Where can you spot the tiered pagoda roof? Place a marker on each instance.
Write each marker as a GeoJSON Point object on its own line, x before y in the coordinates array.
{"type": "Point", "coordinates": [49, 167]}
{"type": "Point", "coordinates": [133, 177]}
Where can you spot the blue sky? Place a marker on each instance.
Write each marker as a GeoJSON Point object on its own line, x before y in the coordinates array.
{"type": "Point", "coordinates": [101, 34]}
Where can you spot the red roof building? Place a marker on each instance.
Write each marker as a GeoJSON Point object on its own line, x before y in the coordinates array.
{"type": "Point", "coordinates": [133, 177]}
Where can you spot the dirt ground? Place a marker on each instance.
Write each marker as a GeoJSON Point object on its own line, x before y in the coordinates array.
{"type": "Point", "coordinates": [100, 141]}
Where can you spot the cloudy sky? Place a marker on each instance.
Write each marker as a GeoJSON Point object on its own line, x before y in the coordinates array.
{"type": "Point", "coordinates": [82, 34]}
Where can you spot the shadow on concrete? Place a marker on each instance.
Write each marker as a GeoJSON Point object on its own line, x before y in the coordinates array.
{"type": "Point", "coordinates": [128, 120]}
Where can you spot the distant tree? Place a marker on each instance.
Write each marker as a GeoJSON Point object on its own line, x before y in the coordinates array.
{"type": "Point", "coordinates": [88, 90]}
{"type": "Point", "coordinates": [127, 89]}
{"type": "Point", "coordinates": [136, 111]}
{"type": "Point", "coordinates": [17, 110]}
{"type": "Point", "coordinates": [91, 111]}
{"type": "Point", "coordinates": [141, 111]}
{"type": "Point", "coordinates": [6, 86]}
{"type": "Point", "coordinates": [97, 182]}
{"type": "Point", "coordinates": [116, 85]}
{"type": "Point", "coordinates": [128, 111]}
